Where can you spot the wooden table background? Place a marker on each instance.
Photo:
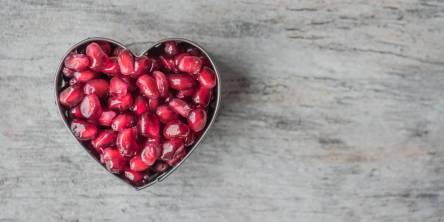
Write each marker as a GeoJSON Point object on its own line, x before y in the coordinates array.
{"type": "Point", "coordinates": [332, 111]}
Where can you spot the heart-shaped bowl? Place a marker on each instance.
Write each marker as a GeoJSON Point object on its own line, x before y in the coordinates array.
{"type": "Point", "coordinates": [60, 82]}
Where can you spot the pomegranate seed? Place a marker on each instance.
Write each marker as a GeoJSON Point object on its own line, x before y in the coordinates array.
{"type": "Point", "coordinates": [193, 51]}
{"type": "Point", "coordinates": [123, 121]}
{"type": "Point", "coordinates": [160, 167]}
{"type": "Point", "coordinates": [74, 112]}
{"type": "Point", "coordinates": [180, 106]}
{"type": "Point", "coordinates": [178, 57]}
{"type": "Point", "coordinates": [71, 95]}
{"type": "Point", "coordinates": [126, 62]}
{"type": "Point", "coordinates": [133, 176]}
{"type": "Point", "coordinates": [149, 125]}
{"type": "Point", "coordinates": [83, 130]}
{"type": "Point", "coordinates": [68, 72]}
{"type": "Point", "coordinates": [73, 81]}
{"type": "Point", "coordinates": [170, 48]}
{"type": "Point", "coordinates": [207, 78]}
{"type": "Point", "coordinates": [140, 106]}
{"type": "Point", "coordinates": [85, 76]}
{"type": "Point", "coordinates": [166, 114]}
{"type": "Point", "coordinates": [141, 66]}
{"type": "Point", "coordinates": [112, 67]}
{"type": "Point", "coordinates": [107, 117]}
{"type": "Point", "coordinates": [178, 156]}
{"type": "Point", "coordinates": [151, 152]}
{"type": "Point", "coordinates": [90, 107]}
{"type": "Point", "coordinates": [168, 63]}
{"type": "Point", "coordinates": [162, 83]}
{"type": "Point", "coordinates": [117, 51]}
{"type": "Point", "coordinates": [181, 81]}
{"type": "Point", "coordinates": [120, 103]}
{"type": "Point", "coordinates": [148, 86]}
{"type": "Point", "coordinates": [170, 147]}
{"type": "Point", "coordinates": [127, 143]}
{"type": "Point", "coordinates": [153, 103]}
{"type": "Point", "coordinates": [175, 129]}
{"type": "Point", "coordinates": [197, 119]}
{"type": "Point", "coordinates": [190, 139]}
{"type": "Point", "coordinates": [97, 56]}
{"type": "Point", "coordinates": [106, 47]}
{"type": "Point", "coordinates": [202, 96]}
{"type": "Point", "coordinates": [118, 87]}
{"type": "Point", "coordinates": [155, 64]}
{"type": "Point", "coordinates": [136, 164]}
{"type": "Point", "coordinates": [132, 87]}
{"type": "Point", "coordinates": [104, 139]}
{"type": "Point", "coordinates": [77, 62]}
{"type": "Point", "coordinates": [114, 161]}
{"type": "Point", "coordinates": [190, 64]}
{"type": "Point", "coordinates": [96, 86]}
{"type": "Point", "coordinates": [205, 61]}
{"type": "Point", "coordinates": [185, 93]}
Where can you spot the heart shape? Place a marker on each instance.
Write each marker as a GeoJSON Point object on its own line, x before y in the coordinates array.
{"type": "Point", "coordinates": [88, 76]}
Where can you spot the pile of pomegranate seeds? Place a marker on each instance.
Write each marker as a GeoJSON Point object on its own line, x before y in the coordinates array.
{"type": "Point", "coordinates": [139, 115]}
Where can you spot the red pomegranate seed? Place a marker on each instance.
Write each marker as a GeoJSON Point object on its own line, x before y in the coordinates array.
{"type": "Point", "coordinates": [170, 48]}
{"type": "Point", "coordinates": [74, 112]}
{"type": "Point", "coordinates": [71, 95]}
{"type": "Point", "coordinates": [205, 61]}
{"type": "Point", "coordinates": [178, 156]}
{"type": "Point", "coordinates": [120, 103]}
{"type": "Point", "coordinates": [178, 57]}
{"type": "Point", "coordinates": [123, 121]}
{"type": "Point", "coordinates": [197, 119]}
{"type": "Point", "coordinates": [170, 147]}
{"type": "Point", "coordinates": [202, 96]}
{"type": "Point", "coordinates": [141, 66]}
{"type": "Point", "coordinates": [96, 86]}
{"type": "Point", "coordinates": [153, 103]}
{"type": "Point", "coordinates": [155, 64]}
{"type": "Point", "coordinates": [140, 106]}
{"type": "Point", "coordinates": [127, 142]}
{"type": "Point", "coordinates": [97, 56]}
{"type": "Point", "coordinates": [85, 76]}
{"type": "Point", "coordinates": [83, 130]}
{"type": "Point", "coordinates": [117, 51]}
{"type": "Point", "coordinates": [148, 86]}
{"type": "Point", "coordinates": [106, 47]}
{"type": "Point", "coordinates": [185, 93]}
{"type": "Point", "coordinates": [176, 129]}
{"type": "Point", "coordinates": [112, 67]}
{"type": "Point", "coordinates": [166, 114]}
{"type": "Point", "coordinates": [180, 106]}
{"type": "Point", "coordinates": [104, 139]}
{"type": "Point", "coordinates": [151, 152]}
{"type": "Point", "coordinates": [77, 62]}
{"type": "Point", "coordinates": [118, 87]}
{"type": "Point", "coordinates": [133, 176]}
{"type": "Point", "coordinates": [90, 107]}
{"type": "Point", "coordinates": [126, 62]}
{"type": "Point", "coordinates": [136, 164]}
{"type": "Point", "coordinates": [190, 64]}
{"type": "Point", "coordinates": [190, 139]}
{"type": "Point", "coordinates": [114, 161]}
{"type": "Point", "coordinates": [160, 167]}
{"type": "Point", "coordinates": [107, 117]}
{"type": "Point", "coordinates": [162, 83]}
{"type": "Point", "coordinates": [149, 125]}
{"type": "Point", "coordinates": [68, 72]}
{"type": "Point", "coordinates": [132, 87]}
{"type": "Point", "coordinates": [168, 63]}
{"type": "Point", "coordinates": [207, 78]}
{"type": "Point", "coordinates": [181, 81]}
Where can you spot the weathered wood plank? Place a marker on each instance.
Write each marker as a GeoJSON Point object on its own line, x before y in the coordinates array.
{"type": "Point", "coordinates": [332, 110]}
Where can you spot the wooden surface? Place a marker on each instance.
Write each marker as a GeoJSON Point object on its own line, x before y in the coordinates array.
{"type": "Point", "coordinates": [332, 111]}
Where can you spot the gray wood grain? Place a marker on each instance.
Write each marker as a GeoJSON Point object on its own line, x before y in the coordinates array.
{"type": "Point", "coordinates": [332, 111]}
